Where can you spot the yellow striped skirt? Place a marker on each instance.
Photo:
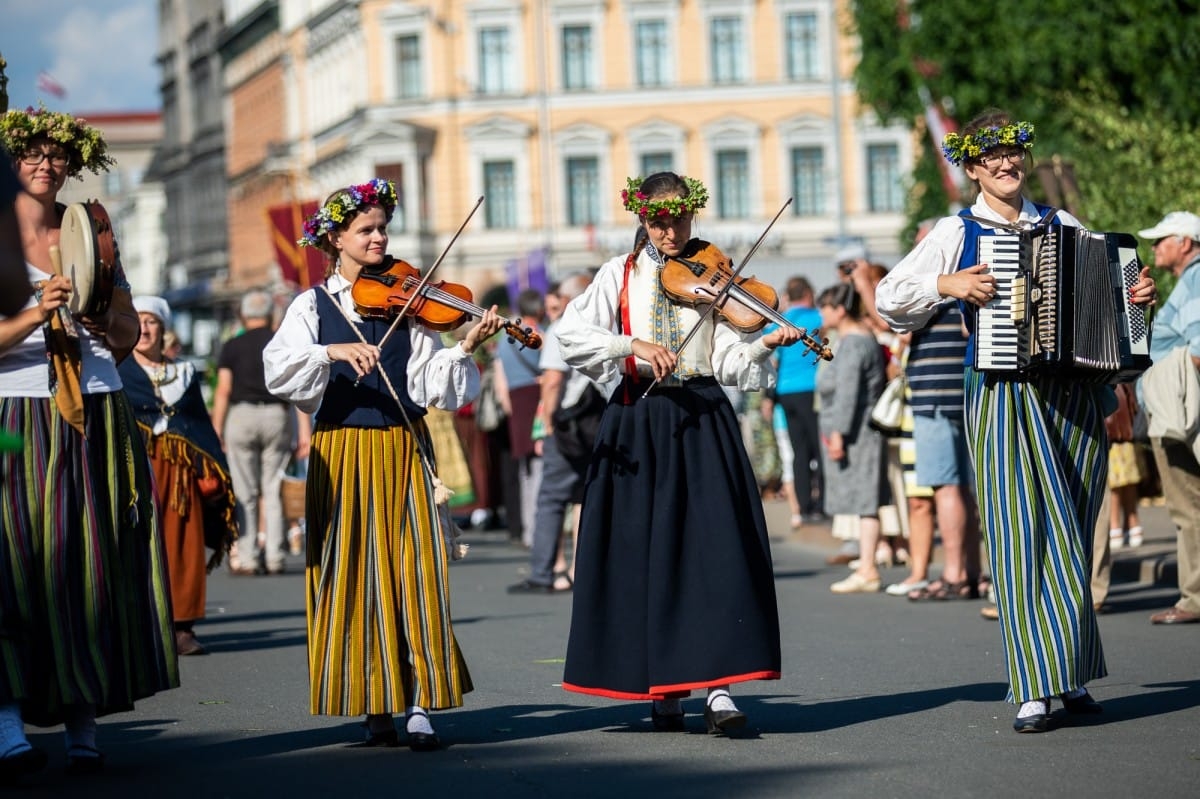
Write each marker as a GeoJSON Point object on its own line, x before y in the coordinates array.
{"type": "Point", "coordinates": [378, 598]}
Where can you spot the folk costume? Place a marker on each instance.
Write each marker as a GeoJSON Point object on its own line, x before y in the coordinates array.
{"type": "Point", "coordinates": [674, 588]}
{"type": "Point", "coordinates": [85, 612]}
{"type": "Point", "coordinates": [192, 482]}
{"type": "Point", "coordinates": [1040, 453]}
{"type": "Point", "coordinates": [379, 632]}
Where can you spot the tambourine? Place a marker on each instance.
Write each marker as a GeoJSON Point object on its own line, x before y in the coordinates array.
{"type": "Point", "coordinates": [88, 257]}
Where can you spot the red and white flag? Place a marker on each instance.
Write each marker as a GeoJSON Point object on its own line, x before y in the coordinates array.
{"type": "Point", "coordinates": [46, 83]}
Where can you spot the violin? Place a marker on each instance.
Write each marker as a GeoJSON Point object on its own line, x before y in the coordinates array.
{"type": "Point", "coordinates": [439, 306]}
{"type": "Point", "coordinates": [701, 272]}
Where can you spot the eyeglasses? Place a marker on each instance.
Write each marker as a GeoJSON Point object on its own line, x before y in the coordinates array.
{"type": "Point", "coordinates": [1160, 241]}
{"type": "Point", "coordinates": [994, 160]}
{"type": "Point", "coordinates": [35, 157]}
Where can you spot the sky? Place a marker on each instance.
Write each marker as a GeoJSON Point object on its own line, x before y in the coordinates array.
{"type": "Point", "coordinates": [100, 51]}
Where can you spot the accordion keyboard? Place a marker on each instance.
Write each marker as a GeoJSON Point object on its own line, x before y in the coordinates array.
{"type": "Point", "coordinates": [997, 333]}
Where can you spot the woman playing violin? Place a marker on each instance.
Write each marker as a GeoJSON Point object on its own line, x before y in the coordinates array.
{"type": "Point", "coordinates": [673, 583]}
{"type": "Point", "coordinates": [379, 635]}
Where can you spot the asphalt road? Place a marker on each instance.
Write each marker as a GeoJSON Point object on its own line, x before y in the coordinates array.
{"type": "Point", "coordinates": [880, 697]}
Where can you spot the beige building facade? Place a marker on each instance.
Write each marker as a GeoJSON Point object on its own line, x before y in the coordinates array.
{"type": "Point", "coordinates": [544, 108]}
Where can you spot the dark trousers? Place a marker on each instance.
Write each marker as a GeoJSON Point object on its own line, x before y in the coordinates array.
{"type": "Point", "coordinates": [809, 482]}
{"type": "Point", "coordinates": [562, 483]}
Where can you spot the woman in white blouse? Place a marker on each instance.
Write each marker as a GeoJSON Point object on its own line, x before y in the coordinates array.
{"type": "Point", "coordinates": [673, 583]}
{"type": "Point", "coordinates": [380, 639]}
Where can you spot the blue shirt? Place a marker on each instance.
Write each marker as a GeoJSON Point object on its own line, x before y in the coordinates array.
{"type": "Point", "coordinates": [797, 368]}
{"type": "Point", "coordinates": [1177, 323]}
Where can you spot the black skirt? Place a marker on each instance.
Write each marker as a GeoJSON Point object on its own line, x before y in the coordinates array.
{"type": "Point", "coordinates": [674, 589]}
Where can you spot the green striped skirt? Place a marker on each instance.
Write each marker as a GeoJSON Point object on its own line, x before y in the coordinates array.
{"type": "Point", "coordinates": [378, 588]}
{"type": "Point", "coordinates": [85, 609]}
{"type": "Point", "coordinates": [1040, 454]}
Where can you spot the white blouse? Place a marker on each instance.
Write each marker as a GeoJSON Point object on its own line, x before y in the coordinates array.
{"type": "Point", "coordinates": [297, 367]}
{"type": "Point", "coordinates": [907, 297]}
{"type": "Point", "coordinates": [588, 337]}
{"type": "Point", "coordinates": [25, 367]}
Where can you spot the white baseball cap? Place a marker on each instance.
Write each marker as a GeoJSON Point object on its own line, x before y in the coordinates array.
{"type": "Point", "coordinates": [850, 252]}
{"type": "Point", "coordinates": [1176, 223]}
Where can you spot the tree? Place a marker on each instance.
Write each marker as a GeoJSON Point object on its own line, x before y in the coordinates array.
{"type": "Point", "coordinates": [1110, 88]}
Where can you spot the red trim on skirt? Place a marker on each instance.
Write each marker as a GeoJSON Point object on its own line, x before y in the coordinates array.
{"type": "Point", "coordinates": [667, 691]}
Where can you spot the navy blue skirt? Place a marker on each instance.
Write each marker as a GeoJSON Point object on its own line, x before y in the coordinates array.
{"type": "Point", "coordinates": [674, 589]}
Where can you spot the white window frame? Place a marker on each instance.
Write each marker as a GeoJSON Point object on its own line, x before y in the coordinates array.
{"type": "Point", "coordinates": [824, 22]}
{"type": "Point", "coordinates": [652, 137]}
{"type": "Point", "coordinates": [743, 9]}
{"type": "Point", "coordinates": [490, 14]}
{"type": "Point", "coordinates": [809, 131]}
{"type": "Point", "coordinates": [584, 141]}
{"type": "Point", "coordinates": [399, 22]}
{"type": "Point", "coordinates": [735, 133]}
{"type": "Point", "coordinates": [654, 10]}
{"type": "Point", "coordinates": [869, 132]}
{"type": "Point", "coordinates": [501, 138]}
{"type": "Point", "coordinates": [579, 13]}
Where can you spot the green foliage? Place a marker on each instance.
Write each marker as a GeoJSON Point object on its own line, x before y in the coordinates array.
{"type": "Point", "coordinates": [1110, 87]}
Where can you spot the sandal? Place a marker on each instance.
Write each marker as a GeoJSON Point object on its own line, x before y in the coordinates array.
{"type": "Point", "coordinates": [564, 576]}
{"type": "Point", "coordinates": [942, 590]}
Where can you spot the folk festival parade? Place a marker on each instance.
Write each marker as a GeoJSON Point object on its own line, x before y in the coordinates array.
{"type": "Point", "coordinates": [828, 432]}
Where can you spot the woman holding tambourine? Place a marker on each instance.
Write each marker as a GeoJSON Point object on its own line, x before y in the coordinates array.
{"type": "Point", "coordinates": [84, 606]}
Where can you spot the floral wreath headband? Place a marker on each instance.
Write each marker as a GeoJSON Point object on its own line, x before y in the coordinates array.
{"type": "Point", "coordinates": [637, 202]}
{"type": "Point", "coordinates": [960, 148]}
{"type": "Point", "coordinates": [341, 206]}
{"type": "Point", "coordinates": [84, 144]}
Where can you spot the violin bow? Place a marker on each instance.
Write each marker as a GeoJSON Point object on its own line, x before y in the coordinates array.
{"type": "Point", "coordinates": [724, 292]}
{"type": "Point", "coordinates": [425, 278]}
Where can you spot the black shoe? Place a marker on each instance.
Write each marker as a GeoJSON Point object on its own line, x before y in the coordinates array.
{"type": "Point", "coordinates": [385, 738]}
{"type": "Point", "coordinates": [26, 762]}
{"type": "Point", "coordinates": [84, 760]}
{"type": "Point", "coordinates": [424, 741]}
{"type": "Point", "coordinates": [529, 587]}
{"type": "Point", "coordinates": [723, 721]}
{"type": "Point", "coordinates": [1084, 704]}
{"type": "Point", "coordinates": [1038, 722]}
{"type": "Point", "coordinates": [667, 722]}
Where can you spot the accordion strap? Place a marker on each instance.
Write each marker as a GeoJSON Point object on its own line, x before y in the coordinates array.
{"type": "Point", "coordinates": [1045, 220]}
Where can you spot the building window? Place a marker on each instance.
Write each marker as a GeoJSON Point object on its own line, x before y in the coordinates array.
{"type": "Point", "coordinates": [733, 184]}
{"type": "Point", "coordinates": [408, 66]}
{"type": "Point", "coordinates": [583, 191]}
{"type": "Point", "coordinates": [725, 35]}
{"type": "Point", "coordinates": [800, 43]}
{"type": "Point", "coordinates": [577, 57]}
{"type": "Point", "coordinates": [650, 42]}
{"type": "Point", "coordinates": [395, 173]}
{"type": "Point", "coordinates": [495, 61]}
{"type": "Point", "coordinates": [652, 163]}
{"type": "Point", "coordinates": [808, 181]}
{"type": "Point", "coordinates": [499, 185]}
{"type": "Point", "coordinates": [884, 190]}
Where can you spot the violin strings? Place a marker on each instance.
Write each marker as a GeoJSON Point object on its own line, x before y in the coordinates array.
{"type": "Point", "coordinates": [446, 298]}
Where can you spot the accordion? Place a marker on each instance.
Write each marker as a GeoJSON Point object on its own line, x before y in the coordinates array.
{"type": "Point", "coordinates": [1062, 305]}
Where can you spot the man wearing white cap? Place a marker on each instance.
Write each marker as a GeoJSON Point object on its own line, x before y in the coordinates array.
{"type": "Point", "coordinates": [1177, 327]}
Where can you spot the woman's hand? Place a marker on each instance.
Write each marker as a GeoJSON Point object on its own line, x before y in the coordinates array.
{"type": "Point", "coordinates": [361, 357]}
{"type": "Point", "coordinates": [1144, 292]}
{"type": "Point", "coordinates": [782, 336]}
{"type": "Point", "coordinates": [835, 446]}
{"type": "Point", "coordinates": [661, 359]}
{"type": "Point", "coordinates": [974, 285]}
{"type": "Point", "coordinates": [489, 325]}
{"type": "Point", "coordinates": [56, 291]}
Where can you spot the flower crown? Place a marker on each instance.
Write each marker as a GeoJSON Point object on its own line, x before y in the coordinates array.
{"type": "Point", "coordinates": [84, 143]}
{"type": "Point", "coordinates": [343, 205]}
{"type": "Point", "coordinates": [637, 202]}
{"type": "Point", "coordinates": [960, 148]}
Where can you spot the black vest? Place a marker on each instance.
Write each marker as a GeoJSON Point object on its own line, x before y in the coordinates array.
{"type": "Point", "coordinates": [368, 404]}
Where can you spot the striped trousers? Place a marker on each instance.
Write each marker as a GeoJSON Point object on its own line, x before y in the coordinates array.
{"type": "Point", "coordinates": [1040, 454]}
{"type": "Point", "coordinates": [378, 599]}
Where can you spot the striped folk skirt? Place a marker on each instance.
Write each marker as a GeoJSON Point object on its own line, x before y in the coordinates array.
{"type": "Point", "coordinates": [674, 589]}
{"type": "Point", "coordinates": [1040, 452]}
{"type": "Point", "coordinates": [85, 608]}
{"type": "Point", "coordinates": [378, 587]}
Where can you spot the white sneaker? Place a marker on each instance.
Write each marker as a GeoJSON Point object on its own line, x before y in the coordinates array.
{"type": "Point", "coordinates": [1116, 539]}
{"type": "Point", "coordinates": [1135, 537]}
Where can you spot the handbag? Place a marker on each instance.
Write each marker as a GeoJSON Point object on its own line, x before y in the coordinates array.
{"type": "Point", "coordinates": [575, 428]}
{"type": "Point", "coordinates": [887, 415]}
